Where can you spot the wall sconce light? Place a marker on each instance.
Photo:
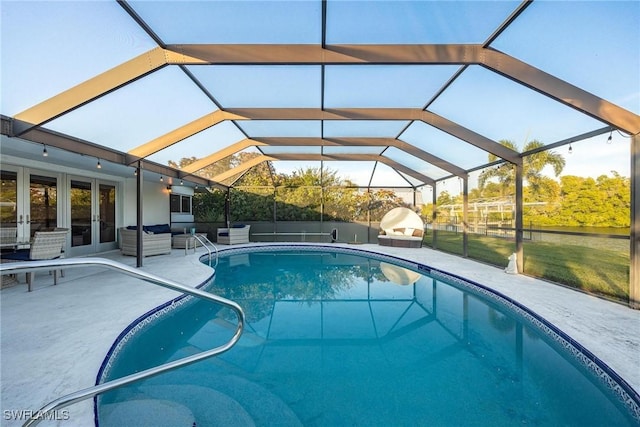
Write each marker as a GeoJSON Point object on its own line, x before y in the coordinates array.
{"type": "Point", "coordinates": [45, 153]}
{"type": "Point", "coordinates": [570, 149]}
{"type": "Point", "coordinates": [169, 188]}
{"type": "Point", "coordinates": [181, 182]}
{"type": "Point", "coordinates": [135, 172]}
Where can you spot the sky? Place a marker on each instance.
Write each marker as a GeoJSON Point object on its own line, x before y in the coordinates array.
{"type": "Point", "coordinates": [597, 49]}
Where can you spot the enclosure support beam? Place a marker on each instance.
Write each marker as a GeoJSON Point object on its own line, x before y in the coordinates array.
{"type": "Point", "coordinates": [434, 217]}
{"type": "Point", "coordinates": [465, 217]}
{"type": "Point", "coordinates": [634, 237]}
{"type": "Point", "coordinates": [319, 157]}
{"type": "Point", "coordinates": [437, 54]}
{"type": "Point", "coordinates": [227, 207]}
{"type": "Point", "coordinates": [518, 217]}
{"type": "Point", "coordinates": [323, 142]}
{"type": "Point", "coordinates": [90, 90]}
{"type": "Point", "coordinates": [139, 215]}
{"type": "Point", "coordinates": [427, 117]}
{"type": "Point", "coordinates": [179, 134]}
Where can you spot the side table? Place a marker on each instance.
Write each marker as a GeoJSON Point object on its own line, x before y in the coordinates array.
{"type": "Point", "coordinates": [186, 241]}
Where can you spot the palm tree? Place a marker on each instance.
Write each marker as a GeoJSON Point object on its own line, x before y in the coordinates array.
{"type": "Point", "coordinates": [533, 165]}
{"type": "Point", "coordinates": [503, 173]}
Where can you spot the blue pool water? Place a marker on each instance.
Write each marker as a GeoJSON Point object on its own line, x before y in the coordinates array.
{"type": "Point", "coordinates": [346, 339]}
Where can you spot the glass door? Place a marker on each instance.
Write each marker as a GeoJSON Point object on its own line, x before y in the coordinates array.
{"type": "Point", "coordinates": [8, 198]}
{"type": "Point", "coordinates": [28, 202]}
{"type": "Point", "coordinates": [93, 215]}
{"type": "Point", "coordinates": [106, 216]}
{"type": "Point", "coordinates": [43, 204]}
{"type": "Point", "coordinates": [80, 195]}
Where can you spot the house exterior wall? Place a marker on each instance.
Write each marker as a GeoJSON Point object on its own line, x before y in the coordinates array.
{"type": "Point", "coordinates": [155, 203]}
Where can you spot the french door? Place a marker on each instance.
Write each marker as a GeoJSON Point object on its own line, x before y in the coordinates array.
{"type": "Point", "coordinates": [29, 201]}
{"type": "Point", "coordinates": [92, 210]}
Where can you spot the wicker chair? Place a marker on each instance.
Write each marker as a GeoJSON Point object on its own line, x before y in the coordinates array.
{"type": "Point", "coordinates": [8, 235]}
{"type": "Point", "coordinates": [45, 245]}
{"type": "Point", "coordinates": [234, 235]}
{"type": "Point", "coordinates": [152, 244]}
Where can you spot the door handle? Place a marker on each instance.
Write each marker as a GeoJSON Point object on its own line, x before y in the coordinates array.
{"type": "Point", "coordinates": [20, 221]}
{"type": "Point", "coordinates": [28, 220]}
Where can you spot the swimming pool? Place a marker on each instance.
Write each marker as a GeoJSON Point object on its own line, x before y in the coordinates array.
{"type": "Point", "coordinates": [343, 337]}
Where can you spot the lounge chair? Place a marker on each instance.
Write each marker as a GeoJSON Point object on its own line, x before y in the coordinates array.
{"type": "Point", "coordinates": [45, 245]}
{"type": "Point", "coordinates": [233, 235]}
{"type": "Point", "coordinates": [401, 227]}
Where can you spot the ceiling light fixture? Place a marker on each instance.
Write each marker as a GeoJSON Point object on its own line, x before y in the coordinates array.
{"type": "Point", "coordinates": [610, 139]}
{"type": "Point", "coordinates": [45, 153]}
{"type": "Point", "coordinates": [570, 149]}
{"type": "Point", "coordinates": [99, 166]}
{"type": "Point", "coordinates": [161, 179]}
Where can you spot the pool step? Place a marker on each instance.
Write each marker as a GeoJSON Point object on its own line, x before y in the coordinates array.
{"type": "Point", "coordinates": [146, 412]}
{"type": "Point", "coordinates": [218, 399]}
{"type": "Point", "coordinates": [210, 407]}
{"type": "Point", "coordinates": [265, 407]}
{"type": "Point", "coordinates": [174, 406]}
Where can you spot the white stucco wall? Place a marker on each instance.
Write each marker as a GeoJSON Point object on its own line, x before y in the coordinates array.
{"type": "Point", "coordinates": [155, 201]}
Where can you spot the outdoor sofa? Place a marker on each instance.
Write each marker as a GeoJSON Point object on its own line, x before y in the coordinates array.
{"type": "Point", "coordinates": [156, 240]}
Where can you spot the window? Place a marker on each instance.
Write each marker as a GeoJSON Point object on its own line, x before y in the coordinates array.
{"type": "Point", "coordinates": [181, 204]}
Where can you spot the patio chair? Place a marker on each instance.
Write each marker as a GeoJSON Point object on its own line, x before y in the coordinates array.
{"type": "Point", "coordinates": [401, 227]}
{"type": "Point", "coordinates": [45, 245]}
{"type": "Point", "coordinates": [233, 235]}
{"type": "Point", "coordinates": [8, 236]}
{"type": "Point", "coordinates": [64, 246]}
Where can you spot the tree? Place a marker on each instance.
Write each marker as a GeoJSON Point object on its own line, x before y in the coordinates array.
{"type": "Point", "coordinates": [208, 171]}
{"type": "Point", "coordinates": [503, 173]}
{"type": "Point", "coordinates": [601, 202]}
{"type": "Point", "coordinates": [262, 174]}
{"type": "Point", "coordinates": [532, 166]}
{"type": "Point", "coordinates": [444, 198]}
{"type": "Point", "coordinates": [382, 201]}
{"type": "Point", "coordinates": [209, 207]}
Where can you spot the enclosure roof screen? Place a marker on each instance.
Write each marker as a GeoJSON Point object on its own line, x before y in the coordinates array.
{"type": "Point", "coordinates": [419, 90]}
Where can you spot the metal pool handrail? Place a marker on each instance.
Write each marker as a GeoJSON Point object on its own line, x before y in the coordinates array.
{"type": "Point", "coordinates": [70, 399]}
{"type": "Point", "coordinates": [200, 239]}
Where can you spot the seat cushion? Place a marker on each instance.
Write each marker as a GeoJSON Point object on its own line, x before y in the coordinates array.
{"type": "Point", "coordinates": [19, 255]}
{"type": "Point", "coordinates": [157, 229]}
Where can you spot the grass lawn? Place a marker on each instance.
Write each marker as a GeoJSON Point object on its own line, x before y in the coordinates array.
{"type": "Point", "coordinates": [598, 271]}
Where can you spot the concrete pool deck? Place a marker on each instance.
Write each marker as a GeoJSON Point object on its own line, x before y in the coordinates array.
{"type": "Point", "coordinates": [54, 339]}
